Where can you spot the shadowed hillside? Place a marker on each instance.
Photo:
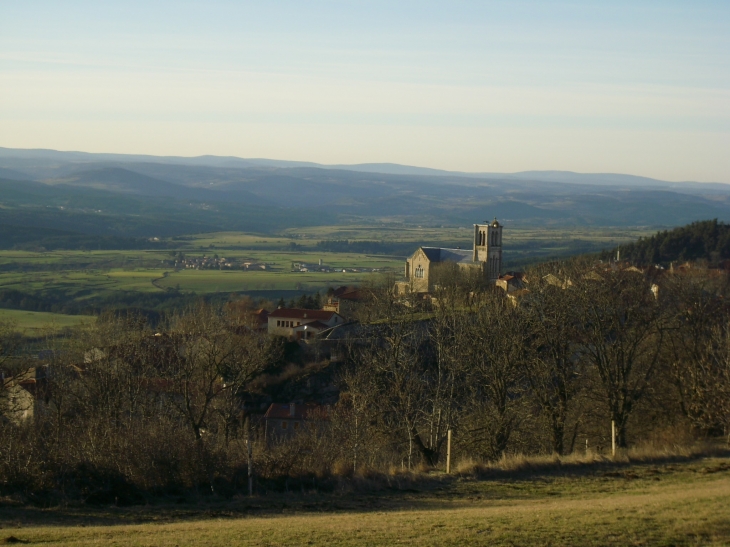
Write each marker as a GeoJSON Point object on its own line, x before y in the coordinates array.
{"type": "Point", "coordinates": [706, 240]}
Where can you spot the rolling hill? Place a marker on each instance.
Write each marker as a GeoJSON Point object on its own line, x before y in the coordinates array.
{"type": "Point", "coordinates": [146, 196]}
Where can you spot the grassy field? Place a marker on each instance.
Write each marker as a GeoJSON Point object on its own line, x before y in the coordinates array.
{"type": "Point", "coordinates": [207, 281]}
{"type": "Point", "coordinates": [661, 503]}
{"type": "Point", "coordinates": [34, 322]}
{"type": "Point", "coordinates": [87, 278]}
{"type": "Point", "coordinates": [93, 279]}
{"type": "Point", "coordinates": [416, 234]}
{"type": "Point", "coordinates": [521, 244]}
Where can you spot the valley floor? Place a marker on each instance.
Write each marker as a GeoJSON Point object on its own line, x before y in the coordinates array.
{"type": "Point", "coordinates": [660, 503]}
{"type": "Point", "coordinates": [72, 282]}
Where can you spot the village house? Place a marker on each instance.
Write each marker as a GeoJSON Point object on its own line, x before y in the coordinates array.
{"type": "Point", "coordinates": [203, 263]}
{"type": "Point", "coordinates": [485, 256]}
{"type": "Point", "coordinates": [18, 396]}
{"type": "Point", "coordinates": [511, 281]}
{"type": "Point", "coordinates": [300, 324]}
{"type": "Point", "coordinates": [253, 266]}
{"type": "Point", "coordinates": [310, 267]}
{"type": "Point", "coordinates": [344, 300]}
{"type": "Point", "coordinates": [285, 420]}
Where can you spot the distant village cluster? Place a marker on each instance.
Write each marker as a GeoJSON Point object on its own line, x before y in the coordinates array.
{"type": "Point", "coordinates": [202, 262]}
{"type": "Point", "coordinates": [214, 263]}
{"type": "Point", "coordinates": [326, 268]}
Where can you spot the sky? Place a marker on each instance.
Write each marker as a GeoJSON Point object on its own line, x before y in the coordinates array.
{"type": "Point", "coordinates": [639, 87]}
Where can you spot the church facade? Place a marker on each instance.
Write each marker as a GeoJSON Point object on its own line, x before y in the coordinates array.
{"type": "Point", "coordinates": [485, 255]}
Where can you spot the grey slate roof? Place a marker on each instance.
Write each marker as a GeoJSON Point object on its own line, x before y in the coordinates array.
{"type": "Point", "coordinates": [437, 254]}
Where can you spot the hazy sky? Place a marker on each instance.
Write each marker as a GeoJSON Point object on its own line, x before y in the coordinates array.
{"type": "Point", "coordinates": [640, 87]}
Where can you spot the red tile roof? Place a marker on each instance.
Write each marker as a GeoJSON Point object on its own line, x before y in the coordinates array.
{"type": "Point", "coordinates": [294, 313]}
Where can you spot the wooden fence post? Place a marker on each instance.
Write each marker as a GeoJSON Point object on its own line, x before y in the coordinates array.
{"type": "Point", "coordinates": [448, 452]}
{"type": "Point", "coordinates": [613, 438]}
{"type": "Point", "coordinates": [250, 457]}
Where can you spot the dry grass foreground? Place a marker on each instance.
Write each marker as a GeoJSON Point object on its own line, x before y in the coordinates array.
{"type": "Point", "coordinates": [644, 504]}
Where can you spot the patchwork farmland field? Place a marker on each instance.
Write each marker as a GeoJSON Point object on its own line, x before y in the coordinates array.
{"type": "Point", "coordinates": [74, 281]}
{"type": "Point", "coordinates": [68, 273]}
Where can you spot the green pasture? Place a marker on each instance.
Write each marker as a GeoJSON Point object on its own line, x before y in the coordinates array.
{"type": "Point", "coordinates": [135, 280]}
{"type": "Point", "coordinates": [212, 281]}
{"type": "Point", "coordinates": [276, 248]}
{"type": "Point", "coordinates": [283, 259]}
{"type": "Point", "coordinates": [85, 260]}
{"type": "Point", "coordinates": [380, 232]}
{"type": "Point", "coordinates": [80, 282]}
{"type": "Point", "coordinates": [417, 234]}
{"type": "Point", "coordinates": [82, 275]}
{"type": "Point", "coordinates": [309, 236]}
{"type": "Point", "coordinates": [522, 246]}
{"type": "Point", "coordinates": [34, 322]}
{"type": "Point", "coordinates": [236, 240]}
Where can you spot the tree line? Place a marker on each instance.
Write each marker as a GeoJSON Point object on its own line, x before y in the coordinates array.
{"type": "Point", "coordinates": [707, 240]}
{"type": "Point", "coordinates": [547, 370]}
{"type": "Point", "coordinates": [29, 238]}
{"type": "Point", "coordinates": [126, 411]}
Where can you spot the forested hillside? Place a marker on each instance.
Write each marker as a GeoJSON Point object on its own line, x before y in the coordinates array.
{"type": "Point", "coordinates": [704, 240]}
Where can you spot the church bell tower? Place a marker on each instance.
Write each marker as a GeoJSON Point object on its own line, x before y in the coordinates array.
{"type": "Point", "coordinates": [488, 248]}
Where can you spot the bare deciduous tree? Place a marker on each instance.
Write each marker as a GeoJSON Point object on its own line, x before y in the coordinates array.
{"type": "Point", "coordinates": [553, 366]}
{"type": "Point", "coordinates": [492, 343]}
{"type": "Point", "coordinates": [208, 370]}
{"type": "Point", "coordinates": [696, 349]}
{"type": "Point", "coordinates": [621, 332]}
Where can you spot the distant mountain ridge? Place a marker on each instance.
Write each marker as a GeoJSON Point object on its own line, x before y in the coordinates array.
{"type": "Point", "coordinates": [147, 196]}
{"type": "Point", "coordinates": [117, 179]}
{"type": "Point", "coordinates": [383, 168]}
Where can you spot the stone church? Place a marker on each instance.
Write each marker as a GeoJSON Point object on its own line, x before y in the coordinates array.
{"type": "Point", "coordinates": [486, 255]}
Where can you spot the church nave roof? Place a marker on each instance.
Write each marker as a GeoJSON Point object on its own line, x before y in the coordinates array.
{"type": "Point", "coordinates": [437, 254]}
